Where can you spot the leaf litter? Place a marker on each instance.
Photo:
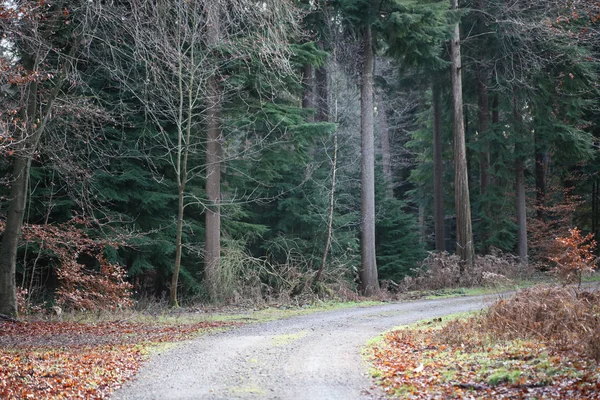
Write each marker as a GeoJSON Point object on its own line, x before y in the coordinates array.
{"type": "Point", "coordinates": [70, 360]}
{"type": "Point", "coordinates": [507, 351]}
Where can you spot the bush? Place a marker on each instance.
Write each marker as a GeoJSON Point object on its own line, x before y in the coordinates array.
{"type": "Point", "coordinates": [442, 271]}
{"type": "Point", "coordinates": [574, 256]}
{"type": "Point", "coordinates": [562, 318]}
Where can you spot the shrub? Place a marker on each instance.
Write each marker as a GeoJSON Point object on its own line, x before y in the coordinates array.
{"type": "Point", "coordinates": [95, 284]}
{"type": "Point", "coordinates": [562, 318]}
{"type": "Point", "coordinates": [442, 270]}
{"type": "Point", "coordinates": [574, 256]}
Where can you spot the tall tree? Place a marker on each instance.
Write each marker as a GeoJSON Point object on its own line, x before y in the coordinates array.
{"type": "Point", "coordinates": [212, 246]}
{"type": "Point", "coordinates": [43, 62]}
{"type": "Point", "coordinates": [464, 232]}
{"type": "Point", "coordinates": [368, 274]}
{"type": "Point", "coordinates": [438, 168]}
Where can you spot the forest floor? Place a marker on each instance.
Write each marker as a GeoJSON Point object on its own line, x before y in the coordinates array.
{"type": "Point", "coordinates": [542, 343]}
{"type": "Point", "coordinates": [285, 352]}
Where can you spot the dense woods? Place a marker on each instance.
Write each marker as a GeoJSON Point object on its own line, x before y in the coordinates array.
{"type": "Point", "coordinates": [222, 150]}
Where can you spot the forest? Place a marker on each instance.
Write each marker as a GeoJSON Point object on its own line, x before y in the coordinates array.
{"type": "Point", "coordinates": [227, 151]}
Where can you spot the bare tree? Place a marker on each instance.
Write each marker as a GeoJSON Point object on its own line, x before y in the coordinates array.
{"type": "Point", "coordinates": [39, 67]}
{"type": "Point", "coordinates": [182, 49]}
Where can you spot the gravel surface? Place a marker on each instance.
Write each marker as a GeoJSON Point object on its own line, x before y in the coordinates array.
{"type": "Point", "coordinates": [316, 356]}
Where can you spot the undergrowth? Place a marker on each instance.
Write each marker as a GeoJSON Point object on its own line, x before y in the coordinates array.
{"type": "Point", "coordinates": [542, 343]}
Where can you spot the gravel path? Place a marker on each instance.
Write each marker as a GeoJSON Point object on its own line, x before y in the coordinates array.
{"type": "Point", "coordinates": [316, 356]}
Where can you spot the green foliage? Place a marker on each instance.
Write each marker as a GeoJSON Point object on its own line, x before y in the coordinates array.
{"type": "Point", "coordinates": [399, 248]}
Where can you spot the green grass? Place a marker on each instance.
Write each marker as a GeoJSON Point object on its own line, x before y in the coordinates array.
{"type": "Point", "coordinates": [166, 316]}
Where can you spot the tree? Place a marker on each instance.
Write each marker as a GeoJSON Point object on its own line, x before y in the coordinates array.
{"type": "Point", "coordinates": [438, 168]}
{"type": "Point", "coordinates": [193, 57]}
{"type": "Point", "coordinates": [42, 49]}
{"type": "Point", "coordinates": [212, 252]}
{"type": "Point", "coordinates": [464, 234]}
{"type": "Point", "coordinates": [368, 275]}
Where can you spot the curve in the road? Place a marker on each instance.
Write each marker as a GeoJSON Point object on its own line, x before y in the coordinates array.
{"type": "Point", "coordinates": [314, 356]}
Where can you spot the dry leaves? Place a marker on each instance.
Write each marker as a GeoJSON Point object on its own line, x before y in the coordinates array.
{"type": "Point", "coordinates": [68, 360]}
{"type": "Point", "coordinates": [468, 359]}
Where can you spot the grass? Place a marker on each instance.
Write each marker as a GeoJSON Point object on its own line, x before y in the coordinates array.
{"type": "Point", "coordinates": [490, 355]}
{"type": "Point", "coordinates": [494, 289]}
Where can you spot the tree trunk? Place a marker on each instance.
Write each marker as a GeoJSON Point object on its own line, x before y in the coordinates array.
{"type": "Point", "coordinates": [438, 170]}
{"type": "Point", "coordinates": [35, 126]}
{"type": "Point", "coordinates": [368, 274]}
{"type": "Point", "coordinates": [10, 238]}
{"type": "Point", "coordinates": [331, 209]}
{"type": "Point", "coordinates": [520, 186]}
{"type": "Point", "coordinates": [386, 154]}
{"type": "Point", "coordinates": [323, 116]}
{"type": "Point", "coordinates": [464, 233]}
{"type": "Point", "coordinates": [173, 302]}
{"type": "Point", "coordinates": [212, 256]}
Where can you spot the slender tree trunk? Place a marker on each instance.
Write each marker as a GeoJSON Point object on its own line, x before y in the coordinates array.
{"type": "Point", "coordinates": [331, 209]}
{"type": "Point", "coordinates": [323, 116]}
{"type": "Point", "coordinates": [386, 154]}
{"type": "Point", "coordinates": [464, 232]}
{"type": "Point", "coordinates": [520, 186]}
{"type": "Point", "coordinates": [212, 256]}
{"type": "Point", "coordinates": [368, 274]}
{"type": "Point", "coordinates": [173, 302]}
{"type": "Point", "coordinates": [438, 170]}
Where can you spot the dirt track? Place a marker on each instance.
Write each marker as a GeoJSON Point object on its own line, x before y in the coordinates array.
{"type": "Point", "coordinates": [315, 356]}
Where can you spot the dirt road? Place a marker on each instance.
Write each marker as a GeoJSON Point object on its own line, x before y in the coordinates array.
{"type": "Point", "coordinates": [315, 356]}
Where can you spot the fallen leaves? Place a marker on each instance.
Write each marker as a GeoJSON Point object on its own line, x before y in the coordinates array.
{"type": "Point", "coordinates": [419, 364]}
{"type": "Point", "coordinates": [68, 360]}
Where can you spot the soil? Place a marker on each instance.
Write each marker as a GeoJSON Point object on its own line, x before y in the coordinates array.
{"type": "Point", "coordinates": [316, 356]}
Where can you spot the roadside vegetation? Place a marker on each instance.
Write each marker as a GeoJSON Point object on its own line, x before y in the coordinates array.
{"type": "Point", "coordinates": [541, 343]}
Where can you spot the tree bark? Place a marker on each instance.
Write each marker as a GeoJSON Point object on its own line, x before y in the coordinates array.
{"type": "Point", "coordinates": [464, 232]}
{"type": "Point", "coordinates": [323, 116]}
{"type": "Point", "coordinates": [438, 170]}
{"type": "Point", "coordinates": [212, 257]}
{"type": "Point", "coordinates": [35, 126]}
{"type": "Point", "coordinates": [173, 302]}
{"type": "Point", "coordinates": [520, 186]}
{"type": "Point", "coordinates": [331, 209]}
{"type": "Point", "coordinates": [10, 238]}
{"type": "Point", "coordinates": [386, 154]}
{"type": "Point", "coordinates": [368, 274]}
